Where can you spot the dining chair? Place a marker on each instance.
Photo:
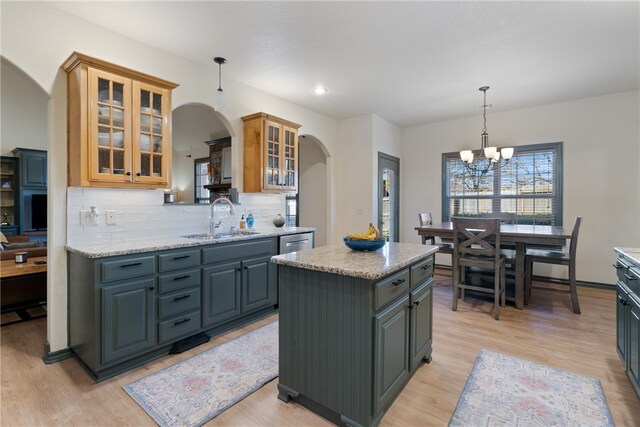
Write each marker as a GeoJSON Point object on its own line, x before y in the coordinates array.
{"type": "Point", "coordinates": [566, 256]}
{"type": "Point", "coordinates": [476, 243]}
{"type": "Point", "coordinates": [444, 247]}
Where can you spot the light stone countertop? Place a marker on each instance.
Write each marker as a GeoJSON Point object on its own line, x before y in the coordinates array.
{"type": "Point", "coordinates": [339, 259]}
{"type": "Point", "coordinates": [632, 253]}
{"type": "Point", "coordinates": [163, 243]}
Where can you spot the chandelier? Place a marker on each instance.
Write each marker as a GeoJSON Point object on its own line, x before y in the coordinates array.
{"type": "Point", "coordinates": [490, 157]}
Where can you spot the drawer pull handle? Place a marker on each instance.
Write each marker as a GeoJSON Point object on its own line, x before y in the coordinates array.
{"type": "Point", "coordinates": [182, 277]}
{"type": "Point", "coordinates": [426, 267]}
{"type": "Point", "coordinates": [630, 277]}
{"type": "Point", "coordinates": [622, 301]}
{"type": "Point", "coordinates": [417, 302]}
{"type": "Point", "coordinates": [151, 288]}
{"type": "Point", "coordinates": [182, 297]}
{"type": "Point", "coordinates": [398, 282]}
{"type": "Point", "coordinates": [133, 264]}
{"type": "Point", "coordinates": [616, 266]}
{"type": "Point", "coordinates": [181, 257]}
{"type": "Point", "coordinates": [181, 321]}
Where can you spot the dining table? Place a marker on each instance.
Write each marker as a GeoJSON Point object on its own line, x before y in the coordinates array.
{"type": "Point", "coordinates": [518, 234]}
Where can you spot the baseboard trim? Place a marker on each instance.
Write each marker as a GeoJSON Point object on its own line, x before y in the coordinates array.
{"type": "Point", "coordinates": [56, 356]}
{"type": "Point", "coordinates": [586, 284]}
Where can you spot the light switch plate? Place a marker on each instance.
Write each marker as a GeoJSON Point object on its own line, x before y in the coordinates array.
{"type": "Point", "coordinates": [111, 217]}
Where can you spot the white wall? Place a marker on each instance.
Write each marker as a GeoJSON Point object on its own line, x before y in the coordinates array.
{"type": "Point", "coordinates": [23, 118]}
{"type": "Point", "coordinates": [601, 174]}
{"type": "Point", "coordinates": [387, 139]}
{"type": "Point", "coordinates": [38, 39]}
{"type": "Point", "coordinates": [354, 175]}
{"type": "Point", "coordinates": [312, 188]}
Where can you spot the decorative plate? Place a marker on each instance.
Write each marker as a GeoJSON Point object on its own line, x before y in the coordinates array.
{"type": "Point", "coordinates": [364, 245]}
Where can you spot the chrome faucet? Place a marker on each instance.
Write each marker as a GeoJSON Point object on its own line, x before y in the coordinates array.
{"type": "Point", "coordinates": [215, 225]}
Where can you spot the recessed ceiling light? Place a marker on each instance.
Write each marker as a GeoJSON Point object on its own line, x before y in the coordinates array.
{"type": "Point", "coordinates": [320, 90]}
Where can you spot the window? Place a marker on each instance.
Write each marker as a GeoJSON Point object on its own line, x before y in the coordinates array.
{"type": "Point", "coordinates": [529, 186]}
{"type": "Point", "coordinates": [201, 168]}
{"type": "Point", "coordinates": [291, 214]}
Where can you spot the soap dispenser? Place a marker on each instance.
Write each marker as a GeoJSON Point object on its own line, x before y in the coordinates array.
{"type": "Point", "coordinates": [250, 220]}
{"type": "Point", "coordinates": [242, 222]}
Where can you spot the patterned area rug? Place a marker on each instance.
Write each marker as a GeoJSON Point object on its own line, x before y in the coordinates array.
{"type": "Point", "coordinates": [194, 391]}
{"type": "Point", "coordinates": [506, 391]}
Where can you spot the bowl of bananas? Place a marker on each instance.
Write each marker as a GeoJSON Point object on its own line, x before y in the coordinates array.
{"type": "Point", "coordinates": [370, 240]}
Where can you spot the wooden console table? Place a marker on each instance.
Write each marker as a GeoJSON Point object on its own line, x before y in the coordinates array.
{"type": "Point", "coordinates": [9, 268]}
{"type": "Point", "coordinates": [24, 286]}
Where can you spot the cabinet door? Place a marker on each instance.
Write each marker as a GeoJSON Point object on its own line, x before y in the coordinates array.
{"type": "Point", "coordinates": [391, 352]}
{"type": "Point", "coordinates": [109, 127]}
{"type": "Point", "coordinates": [621, 322]}
{"type": "Point", "coordinates": [633, 353]}
{"type": "Point", "coordinates": [129, 317]}
{"type": "Point", "coordinates": [272, 140]}
{"type": "Point", "coordinates": [289, 163]}
{"type": "Point", "coordinates": [34, 169]}
{"type": "Point", "coordinates": [221, 293]}
{"type": "Point", "coordinates": [259, 284]}
{"type": "Point", "coordinates": [421, 322]}
{"type": "Point", "coordinates": [151, 135]}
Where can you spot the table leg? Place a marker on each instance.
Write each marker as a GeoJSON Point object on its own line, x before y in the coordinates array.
{"type": "Point", "coordinates": [521, 250]}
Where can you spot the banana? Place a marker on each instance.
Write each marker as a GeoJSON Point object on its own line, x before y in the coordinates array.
{"type": "Point", "coordinates": [372, 233]}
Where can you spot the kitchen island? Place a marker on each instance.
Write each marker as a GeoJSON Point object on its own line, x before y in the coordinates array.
{"type": "Point", "coordinates": [354, 327]}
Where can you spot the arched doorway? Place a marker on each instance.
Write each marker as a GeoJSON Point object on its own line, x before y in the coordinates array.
{"type": "Point", "coordinates": [197, 133]}
{"type": "Point", "coordinates": [313, 186]}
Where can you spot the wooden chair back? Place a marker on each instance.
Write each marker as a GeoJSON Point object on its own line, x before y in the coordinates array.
{"type": "Point", "coordinates": [504, 217]}
{"type": "Point", "coordinates": [476, 238]}
{"type": "Point", "coordinates": [573, 245]}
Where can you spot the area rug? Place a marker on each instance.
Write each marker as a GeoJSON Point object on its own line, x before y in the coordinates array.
{"type": "Point", "coordinates": [194, 391]}
{"type": "Point", "coordinates": [506, 391]}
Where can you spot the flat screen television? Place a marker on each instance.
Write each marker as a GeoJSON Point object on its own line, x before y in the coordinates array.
{"type": "Point", "coordinates": [39, 211]}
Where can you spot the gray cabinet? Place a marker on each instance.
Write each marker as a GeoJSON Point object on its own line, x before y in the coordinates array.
{"type": "Point", "coordinates": [348, 346]}
{"type": "Point", "coordinates": [129, 319]}
{"type": "Point", "coordinates": [33, 167]}
{"type": "Point", "coordinates": [221, 293]}
{"type": "Point", "coordinates": [126, 310]}
{"type": "Point", "coordinates": [628, 318]}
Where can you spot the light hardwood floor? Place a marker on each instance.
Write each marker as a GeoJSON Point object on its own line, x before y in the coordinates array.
{"type": "Point", "coordinates": [547, 331]}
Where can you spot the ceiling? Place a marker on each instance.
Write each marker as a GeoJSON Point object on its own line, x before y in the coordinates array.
{"type": "Point", "coordinates": [408, 62]}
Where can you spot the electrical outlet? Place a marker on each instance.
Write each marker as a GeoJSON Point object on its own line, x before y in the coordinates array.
{"type": "Point", "coordinates": [111, 217]}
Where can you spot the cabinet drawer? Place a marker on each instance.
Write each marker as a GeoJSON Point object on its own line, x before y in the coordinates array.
{"type": "Point", "coordinates": [220, 253]}
{"type": "Point", "coordinates": [126, 268]}
{"type": "Point", "coordinates": [178, 302]}
{"type": "Point", "coordinates": [390, 288]}
{"type": "Point", "coordinates": [179, 326]}
{"type": "Point", "coordinates": [178, 260]}
{"type": "Point", "coordinates": [632, 279]}
{"type": "Point", "coordinates": [181, 280]}
{"type": "Point", "coordinates": [421, 271]}
{"type": "Point", "coordinates": [621, 269]}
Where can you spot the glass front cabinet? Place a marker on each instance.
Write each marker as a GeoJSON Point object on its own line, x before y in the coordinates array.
{"type": "Point", "coordinates": [119, 126]}
{"type": "Point", "coordinates": [270, 154]}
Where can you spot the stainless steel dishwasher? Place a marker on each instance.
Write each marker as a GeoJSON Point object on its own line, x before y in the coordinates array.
{"type": "Point", "coordinates": [296, 242]}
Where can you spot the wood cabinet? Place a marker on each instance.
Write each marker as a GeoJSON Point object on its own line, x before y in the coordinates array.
{"type": "Point", "coordinates": [119, 123]}
{"type": "Point", "coordinates": [628, 318]}
{"type": "Point", "coordinates": [33, 167]}
{"type": "Point", "coordinates": [270, 154]}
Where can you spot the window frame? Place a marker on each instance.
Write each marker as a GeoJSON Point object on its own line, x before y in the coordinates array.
{"type": "Point", "coordinates": [196, 184]}
{"type": "Point", "coordinates": [557, 183]}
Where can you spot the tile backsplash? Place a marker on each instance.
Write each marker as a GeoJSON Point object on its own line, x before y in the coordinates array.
{"type": "Point", "coordinates": [140, 214]}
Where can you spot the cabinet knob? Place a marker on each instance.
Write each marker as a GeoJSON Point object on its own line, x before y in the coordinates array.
{"type": "Point", "coordinates": [417, 302]}
{"type": "Point", "coordinates": [138, 174]}
{"type": "Point", "coordinates": [128, 173]}
{"type": "Point", "coordinates": [151, 288]}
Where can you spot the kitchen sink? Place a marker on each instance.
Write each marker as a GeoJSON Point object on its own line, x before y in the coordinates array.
{"type": "Point", "coordinates": [209, 236]}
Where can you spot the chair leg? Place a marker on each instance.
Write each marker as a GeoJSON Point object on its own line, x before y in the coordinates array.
{"type": "Point", "coordinates": [496, 293]}
{"type": "Point", "coordinates": [503, 292]}
{"type": "Point", "coordinates": [528, 272]}
{"type": "Point", "coordinates": [572, 288]}
{"type": "Point", "coordinates": [463, 279]}
{"type": "Point", "coordinates": [454, 299]}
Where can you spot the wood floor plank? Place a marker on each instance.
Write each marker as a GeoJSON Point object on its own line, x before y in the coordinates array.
{"type": "Point", "coordinates": [547, 332]}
